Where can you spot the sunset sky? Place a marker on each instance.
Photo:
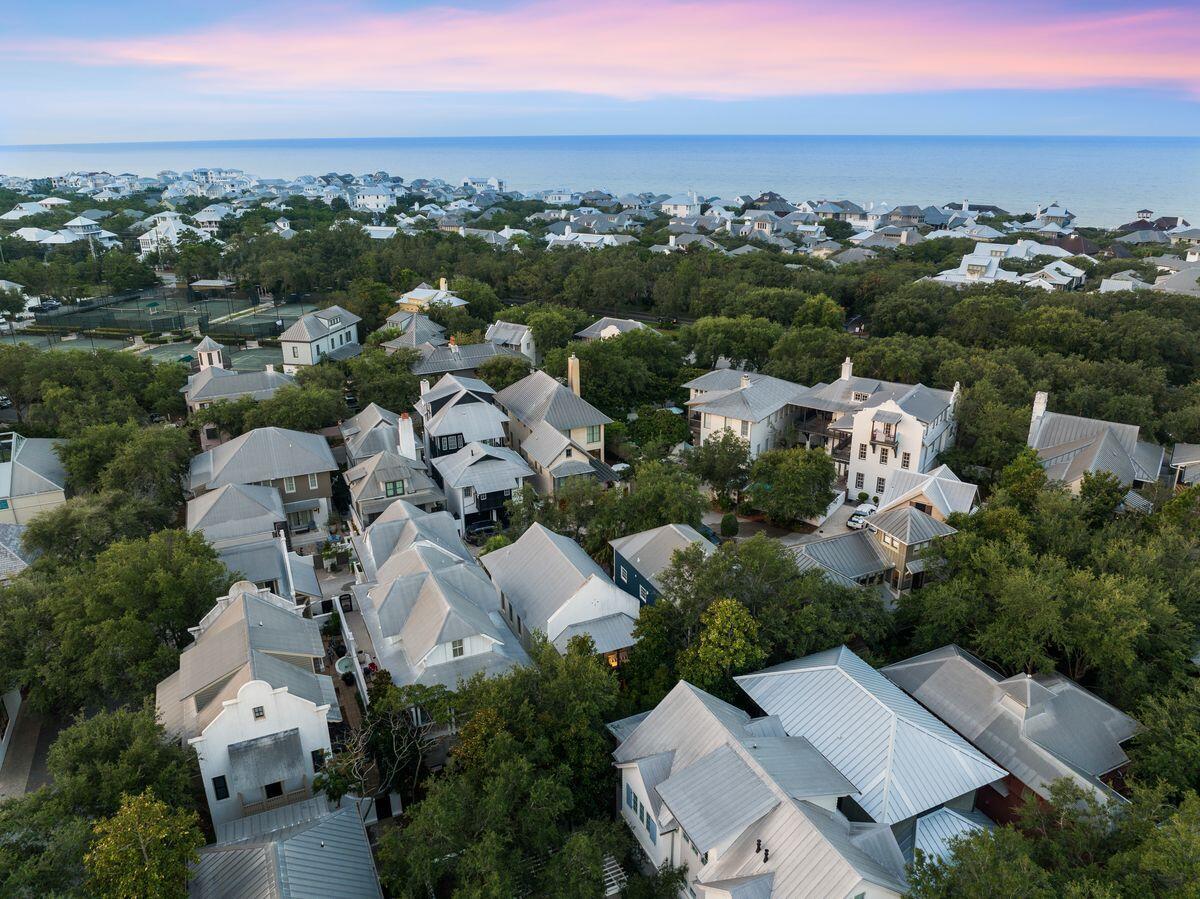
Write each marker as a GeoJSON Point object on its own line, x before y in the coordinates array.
{"type": "Point", "coordinates": [135, 70]}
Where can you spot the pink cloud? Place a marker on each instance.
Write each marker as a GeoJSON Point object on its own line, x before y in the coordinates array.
{"type": "Point", "coordinates": [721, 49]}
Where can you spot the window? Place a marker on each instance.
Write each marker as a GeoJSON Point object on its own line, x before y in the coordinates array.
{"type": "Point", "coordinates": [456, 648]}
{"type": "Point", "coordinates": [3, 504]}
{"type": "Point", "coordinates": [862, 451]}
{"type": "Point", "coordinates": [312, 481]}
{"type": "Point", "coordinates": [858, 481]}
{"type": "Point", "coordinates": [568, 453]}
{"type": "Point", "coordinates": [594, 432]}
{"type": "Point", "coordinates": [274, 790]}
{"type": "Point", "coordinates": [259, 713]}
{"type": "Point", "coordinates": [704, 858]}
{"type": "Point", "coordinates": [651, 830]}
{"type": "Point", "coordinates": [707, 422]}
{"type": "Point", "coordinates": [905, 459]}
{"type": "Point", "coordinates": [861, 397]}
{"type": "Point", "coordinates": [643, 593]}
{"type": "Point", "coordinates": [624, 575]}
{"type": "Point", "coordinates": [295, 352]}
{"type": "Point", "coordinates": [880, 485]}
{"type": "Point", "coordinates": [289, 485]}
{"type": "Point", "coordinates": [883, 455]}
{"type": "Point", "coordinates": [629, 797]}
{"type": "Point", "coordinates": [745, 428]}
{"type": "Point", "coordinates": [220, 788]}
{"type": "Point", "coordinates": [318, 759]}
{"type": "Point", "coordinates": [394, 488]}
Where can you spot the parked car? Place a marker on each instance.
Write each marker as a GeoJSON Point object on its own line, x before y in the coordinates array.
{"type": "Point", "coordinates": [478, 533]}
{"type": "Point", "coordinates": [858, 518]}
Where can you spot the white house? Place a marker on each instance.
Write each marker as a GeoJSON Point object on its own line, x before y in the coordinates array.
{"type": "Point", "coordinates": [515, 337]}
{"type": "Point", "coordinates": [249, 698]}
{"type": "Point", "coordinates": [479, 480]}
{"type": "Point", "coordinates": [757, 408]}
{"type": "Point", "coordinates": [329, 332]}
{"type": "Point", "coordinates": [681, 205]}
{"type": "Point", "coordinates": [570, 596]}
{"type": "Point", "coordinates": [374, 199]}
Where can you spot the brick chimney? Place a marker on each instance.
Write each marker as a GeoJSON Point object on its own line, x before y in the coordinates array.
{"type": "Point", "coordinates": [573, 374]}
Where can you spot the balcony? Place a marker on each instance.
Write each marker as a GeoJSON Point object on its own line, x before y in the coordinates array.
{"type": "Point", "coordinates": [883, 437]}
{"type": "Point", "coordinates": [285, 798]}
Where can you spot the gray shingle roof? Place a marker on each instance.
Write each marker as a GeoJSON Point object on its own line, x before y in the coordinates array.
{"type": "Point", "coordinates": [539, 397]}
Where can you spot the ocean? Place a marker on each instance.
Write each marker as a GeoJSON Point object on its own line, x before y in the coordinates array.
{"type": "Point", "coordinates": [1103, 180]}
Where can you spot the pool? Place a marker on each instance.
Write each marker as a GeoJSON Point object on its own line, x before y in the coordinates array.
{"type": "Point", "coordinates": [344, 665]}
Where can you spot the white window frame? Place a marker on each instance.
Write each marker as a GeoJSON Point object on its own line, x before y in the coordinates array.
{"type": "Point", "coordinates": [289, 484]}
{"type": "Point", "coordinates": [313, 483]}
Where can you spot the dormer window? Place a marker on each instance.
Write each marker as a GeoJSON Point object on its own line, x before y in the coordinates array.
{"type": "Point", "coordinates": [861, 397]}
{"type": "Point", "coordinates": [456, 649]}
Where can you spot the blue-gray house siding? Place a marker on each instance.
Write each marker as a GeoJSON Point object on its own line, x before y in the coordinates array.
{"type": "Point", "coordinates": [633, 581]}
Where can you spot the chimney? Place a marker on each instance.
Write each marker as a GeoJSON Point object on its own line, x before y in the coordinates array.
{"type": "Point", "coordinates": [745, 380]}
{"type": "Point", "coordinates": [847, 369]}
{"type": "Point", "coordinates": [407, 443]}
{"type": "Point", "coordinates": [442, 284]}
{"type": "Point", "coordinates": [573, 374]}
{"type": "Point", "coordinates": [287, 564]}
{"type": "Point", "coordinates": [424, 386]}
{"type": "Point", "coordinates": [453, 345]}
{"type": "Point", "coordinates": [1040, 401]}
{"type": "Point", "coordinates": [271, 367]}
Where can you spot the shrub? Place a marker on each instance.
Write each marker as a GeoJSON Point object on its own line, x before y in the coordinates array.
{"type": "Point", "coordinates": [729, 525]}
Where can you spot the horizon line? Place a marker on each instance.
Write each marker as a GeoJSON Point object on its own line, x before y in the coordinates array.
{"type": "Point", "coordinates": [481, 137]}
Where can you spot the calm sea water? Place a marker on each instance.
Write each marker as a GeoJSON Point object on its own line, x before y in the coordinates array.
{"type": "Point", "coordinates": [1103, 180]}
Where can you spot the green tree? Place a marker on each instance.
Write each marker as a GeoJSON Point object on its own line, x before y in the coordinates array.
{"type": "Point", "coordinates": [728, 644]}
{"type": "Point", "coordinates": [1023, 479]}
{"type": "Point", "coordinates": [144, 850]}
{"type": "Point", "coordinates": [297, 409]}
{"type": "Point", "coordinates": [1101, 494]}
{"type": "Point", "coordinates": [87, 455]}
{"type": "Point", "coordinates": [85, 525]}
{"type": "Point", "coordinates": [501, 371]}
{"type": "Point", "coordinates": [386, 380]}
{"type": "Point", "coordinates": [790, 485]}
{"type": "Point", "coordinates": [985, 864]}
{"type": "Point", "coordinates": [1167, 748]}
{"type": "Point", "coordinates": [722, 462]}
{"type": "Point", "coordinates": [151, 466]}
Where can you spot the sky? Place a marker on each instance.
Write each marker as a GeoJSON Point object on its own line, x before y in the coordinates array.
{"type": "Point", "coordinates": [135, 70]}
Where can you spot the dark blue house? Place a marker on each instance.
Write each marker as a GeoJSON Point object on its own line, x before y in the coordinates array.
{"type": "Point", "coordinates": [639, 559]}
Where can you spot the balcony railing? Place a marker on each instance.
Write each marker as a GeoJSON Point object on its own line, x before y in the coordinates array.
{"type": "Point", "coordinates": [286, 798]}
{"type": "Point", "coordinates": [883, 437]}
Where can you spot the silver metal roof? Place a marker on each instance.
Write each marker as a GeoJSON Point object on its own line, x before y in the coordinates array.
{"type": "Point", "coordinates": [264, 454]}
{"type": "Point", "coordinates": [909, 525]}
{"type": "Point", "coordinates": [940, 487]}
{"type": "Point", "coordinates": [901, 758]}
{"type": "Point", "coordinates": [1040, 728]}
{"type": "Point", "coordinates": [484, 469]}
{"type": "Point", "coordinates": [650, 552]}
{"type": "Point", "coordinates": [539, 397]}
{"type": "Point", "coordinates": [852, 555]}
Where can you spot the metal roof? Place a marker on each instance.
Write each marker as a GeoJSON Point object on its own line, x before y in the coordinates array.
{"type": "Point", "coordinates": [266, 759]}
{"type": "Point", "coordinates": [440, 359]}
{"type": "Point", "coordinates": [909, 525]}
{"type": "Point", "coordinates": [539, 397]}
{"type": "Point", "coordinates": [753, 401]}
{"type": "Point", "coordinates": [940, 487]}
{"type": "Point", "coordinates": [485, 469]}
{"type": "Point", "coordinates": [852, 555]}
{"type": "Point", "coordinates": [814, 854]}
{"type": "Point", "coordinates": [901, 758]}
{"type": "Point", "coordinates": [264, 454]}
{"type": "Point", "coordinates": [1040, 728]}
{"type": "Point", "coordinates": [222, 383]}
{"type": "Point", "coordinates": [650, 552]}
{"type": "Point", "coordinates": [300, 851]}
{"type": "Point", "coordinates": [609, 633]}
{"type": "Point", "coordinates": [934, 833]}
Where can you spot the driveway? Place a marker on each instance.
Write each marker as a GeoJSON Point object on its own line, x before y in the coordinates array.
{"type": "Point", "coordinates": [834, 525]}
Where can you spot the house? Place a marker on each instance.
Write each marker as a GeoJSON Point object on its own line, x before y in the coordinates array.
{"type": "Point", "coordinates": [1040, 728]}
{"type": "Point", "coordinates": [874, 429]}
{"type": "Point", "coordinates": [415, 329]}
{"type": "Point", "coordinates": [888, 552]}
{"type": "Point", "coordinates": [249, 698]}
{"type": "Point", "coordinates": [747, 810]}
{"type": "Point", "coordinates": [902, 761]}
{"type": "Point", "coordinates": [938, 493]}
{"type": "Point", "coordinates": [479, 480]}
{"type": "Point", "coordinates": [421, 297]}
{"type": "Point", "coordinates": [210, 217]}
{"type": "Point", "coordinates": [1185, 465]}
{"type": "Point", "coordinates": [32, 477]}
{"type": "Point", "coordinates": [297, 464]}
{"type": "Point", "coordinates": [376, 430]}
{"type": "Point", "coordinates": [570, 596]}
{"type": "Point", "coordinates": [21, 210]}
{"type": "Point", "coordinates": [681, 205]}
{"type": "Point", "coordinates": [607, 327]}
{"type": "Point", "coordinates": [518, 338]}
{"type": "Point", "coordinates": [456, 359]}
{"type": "Point", "coordinates": [1070, 446]}
{"type": "Point", "coordinates": [215, 383]}
{"type": "Point", "coordinates": [165, 234]}
{"type": "Point", "coordinates": [301, 850]}
{"type": "Point", "coordinates": [387, 477]}
{"type": "Point", "coordinates": [457, 411]}
{"type": "Point", "coordinates": [14, 558]}
{"type": "Point", "coordinates": [639, 559]}
{"type": "Point", "coordinates": [331, 332]}
{"type": "Point", "coordinates": [431, 614]}
{"type": "Point", "coordinates": [558, 432]}
{"type": "Point", "coordinates": [247, 525]}
{"type": "Point", "coordinates": [757, 408]}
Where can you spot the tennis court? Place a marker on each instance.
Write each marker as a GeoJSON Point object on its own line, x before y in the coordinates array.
{"type": "Point", "coordinates": [54, 342]}
{"type": "Point", "coordinates": [256, 359]}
